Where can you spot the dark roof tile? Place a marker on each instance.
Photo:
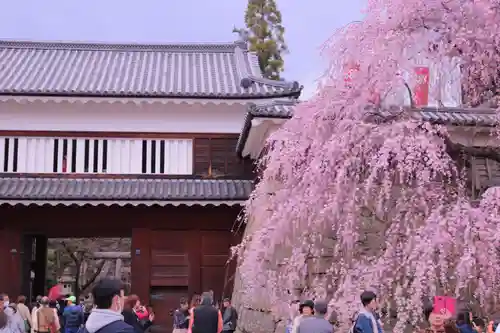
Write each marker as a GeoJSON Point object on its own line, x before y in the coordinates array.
{"type": "Point", "coordinates": [135, 70]}
{"type": "Point", "coordinates": [281, 109]}
{"type": "Point", "coordinates": [44, 188]}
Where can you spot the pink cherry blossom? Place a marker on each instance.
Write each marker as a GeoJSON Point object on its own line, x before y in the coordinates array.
{"type": "Point", "coordinates": [385, 196]}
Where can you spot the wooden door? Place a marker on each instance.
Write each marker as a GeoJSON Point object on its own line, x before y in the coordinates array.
{"type": "Point", "coordinates": [11, 248]}
{"type": "Point", "coordinates": [215, 247]}
{"type": "Point", "coordinates": [164, 301]}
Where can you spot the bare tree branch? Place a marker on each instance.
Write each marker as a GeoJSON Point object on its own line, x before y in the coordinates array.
{"type": "Point", "coordinates": [94, 276]}
{"type": "Point", "coordinates": [70, 252]}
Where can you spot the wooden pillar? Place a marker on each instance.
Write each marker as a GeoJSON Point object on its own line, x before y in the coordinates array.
{"type": "Point", "coordinates": [141, 263]}
{"type": "Point", "coordinates": [118, 268]}
{"type": "Point", "coordinates": [11, 248]}
{"type": "Point", "coordinates": [27, 263]}
{"type": "Point", "coordinates": [40, 266]}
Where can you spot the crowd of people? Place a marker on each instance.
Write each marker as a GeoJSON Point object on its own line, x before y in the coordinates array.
{"type": "Point", "coordinates": [204, 316]}
{"type": "Point", "coordinates": [312, 318]}
{"type": "Point", "coordinates": [111, 312]}
{"type": "Point", "coordinates": [47, 315]}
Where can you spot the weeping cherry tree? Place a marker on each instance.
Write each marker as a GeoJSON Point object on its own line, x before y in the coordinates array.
{"type": "Point", "coordinates": [346, 158]}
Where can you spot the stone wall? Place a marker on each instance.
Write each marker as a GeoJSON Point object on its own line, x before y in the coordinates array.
{"type": "Point", "coordinates": [257, 318]}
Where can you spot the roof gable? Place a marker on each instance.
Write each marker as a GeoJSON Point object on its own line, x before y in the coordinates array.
{"type": "Point", "coordinates": [222, 70]}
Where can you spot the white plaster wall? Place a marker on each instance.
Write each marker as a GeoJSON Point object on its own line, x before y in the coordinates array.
{"type": "Point", "coordinates": [105, 117]}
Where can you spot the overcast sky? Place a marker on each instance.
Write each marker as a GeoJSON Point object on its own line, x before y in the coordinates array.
{"type": "Point", "coordinates": [308, 24]}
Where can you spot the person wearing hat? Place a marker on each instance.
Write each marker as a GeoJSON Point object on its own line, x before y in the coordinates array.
{"type": "Point", "coordinates": [318, 322]}
{"type": "Point", "coordinates": [72, 316]}
{"type": "Point", "coordinates": [306, 309]}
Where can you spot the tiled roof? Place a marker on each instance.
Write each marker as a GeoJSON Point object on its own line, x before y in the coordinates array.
{"type": "Point", "coordinates": [275, 109]}
{"type": "Point", "coordinates": [135, 70]}
{"type": "Point", "coordinates": [448, 116]}
{"type": "Point", "coordinates": [459, 116]}
{"type": "Point", "coordinates": [445, 116]}
{"type": "Point", "coordinates": [119, 189]}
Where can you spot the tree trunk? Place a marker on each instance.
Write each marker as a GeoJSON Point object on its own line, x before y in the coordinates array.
{"type": "Point", "coordinates": [78, 266]}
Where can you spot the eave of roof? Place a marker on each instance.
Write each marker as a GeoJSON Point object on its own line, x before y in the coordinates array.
{"type": "Point", "coordinates": [278, 109]}
{"type": "Point", "coordinates": [459, 116]}
{"type": "Point", "coordinates": [444, 116]}
{"type": "Point", "coordinates": [134, 190]}
{"type": "Point", "coordinates": [195, 71]}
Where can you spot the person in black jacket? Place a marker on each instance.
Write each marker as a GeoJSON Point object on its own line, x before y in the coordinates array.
{"type": "Point", "coordinates": [130, 317]}
{"type": "Point", "coordinates": [181, 317]}
{"type": "Point", "coordinates": [205, 318]}
{"type": "Point", "coordinates": [229, 317]}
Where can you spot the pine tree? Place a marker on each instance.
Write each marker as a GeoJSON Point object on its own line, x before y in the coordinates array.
{"type": "Point", "coordinates": [264, 33]}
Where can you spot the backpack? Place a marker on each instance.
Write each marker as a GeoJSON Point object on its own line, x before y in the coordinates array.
{"type": "Point", "coordinates": [51, 323]}
{"type": "Point", "coordinates": [108, 326]}
{"type": "Point", "coordinates": [354, 322]}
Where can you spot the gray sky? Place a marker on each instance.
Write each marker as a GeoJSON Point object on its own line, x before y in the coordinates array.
{"type": "Point", "coordinates": [307, 25]}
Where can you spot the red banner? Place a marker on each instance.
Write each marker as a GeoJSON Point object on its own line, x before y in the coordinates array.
{"type": "Point", "coordinates": [445, 304]}
{"type": "Point", "coordinates": [421, 89]}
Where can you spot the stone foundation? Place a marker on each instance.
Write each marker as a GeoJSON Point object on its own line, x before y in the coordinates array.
{"type": "Point", "coordinates": [256, 318]}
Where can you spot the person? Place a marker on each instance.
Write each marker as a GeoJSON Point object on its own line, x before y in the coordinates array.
{"type": "Point", "coordinates": [492, 326]}
{"type": "Point", "coordinates": [464, 321]}
{"type": "Point", "coordinates": [293, 310]}
{"type": "Point", "coordinates": [141, 312]}
{"type": "Point", "coordinates": [72, 316]}
{"type": "Point", "coordinates": [366, 322]}
{"type": "Point", "coordinates": [205, 318]}
{"type": "Point", "coordinates": [106, 317]}
{"type": "Point", "coordinates": [88, 305]}
{"type": "Point", "coordinates": [6, 300]}
{"type": "Point", "coordinates": [45, 319]}
{"type": "Point", "coordinates": [229, 316]}
{"type": "Point", "coordinates": [56, 292]}
{"type": "Point", "coordinates": [318, 322]}
{"type": "Point", "coordinates": [181, 317]}
{"type": "Point", "coordinates": [306, 309]}
{"type": "Point", "coordinates": [436, 319]}
{"type": "Point", "coordinates": [33, 312]}
{"type": "Point", "coordinates": [130, 317]}
{"type": "Point", "coordinates": [479, 325]}
{"type": "Point", "coordinates": [24, 312]}
{"type": "Point", "coordinates": [5, 317]}
{"type": "Point", "coordinates": [450, 326]}
{"type": "Point", "coordinates": [54, 305]}
{"type": "Point", "coordinates": [36, 304]}
{"type": "Point", "coordinates": [195, 301]}
{"type": "Point", "coordinates": [17, 320]}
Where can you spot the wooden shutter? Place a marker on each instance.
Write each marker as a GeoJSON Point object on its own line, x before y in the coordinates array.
{"type": "Point", "coordinates": [201, 156]}
{"type": "Point", "coordinates": [220, 150]}
{"type": "Point", "coordinates": [217, 157]}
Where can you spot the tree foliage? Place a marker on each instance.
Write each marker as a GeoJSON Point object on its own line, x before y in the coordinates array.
{"type": "Point", "coordinates": [264, 33]}
{"type": "Point", "coordinates": [334, 176]}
